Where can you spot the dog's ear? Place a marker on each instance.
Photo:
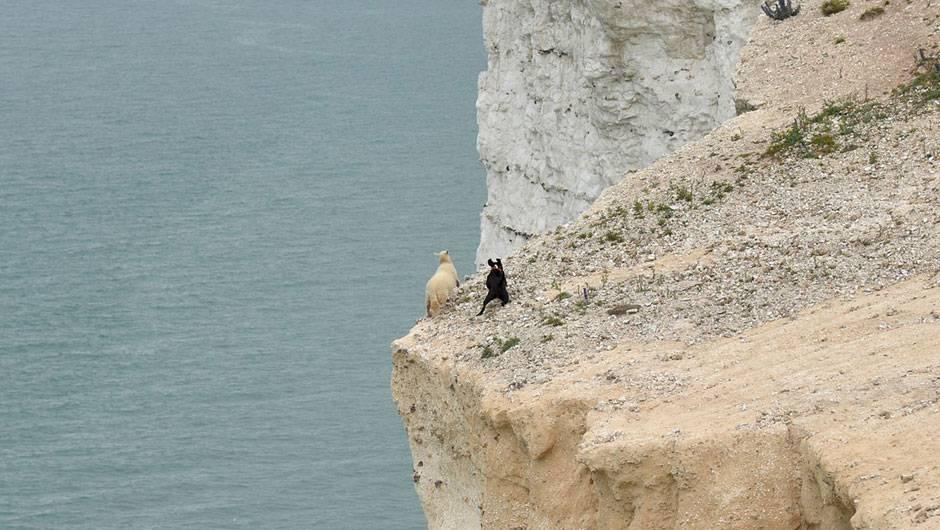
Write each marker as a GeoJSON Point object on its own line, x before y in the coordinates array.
{"type": "Point", "coordinates": [489, 262]}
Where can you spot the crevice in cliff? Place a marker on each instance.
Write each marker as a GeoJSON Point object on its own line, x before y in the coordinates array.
{"type": "Point", "coordinates": [824, 504]}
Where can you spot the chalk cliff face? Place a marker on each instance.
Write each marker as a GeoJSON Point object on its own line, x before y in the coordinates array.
{"type": "Point", "coordinates": [577, 92]}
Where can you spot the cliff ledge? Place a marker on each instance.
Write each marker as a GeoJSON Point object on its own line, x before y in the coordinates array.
{"type": "Point", "coordinates": [744, 334]}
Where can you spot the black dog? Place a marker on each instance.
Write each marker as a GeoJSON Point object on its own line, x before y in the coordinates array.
{"type": "Point", "coordinates": [496, 283]}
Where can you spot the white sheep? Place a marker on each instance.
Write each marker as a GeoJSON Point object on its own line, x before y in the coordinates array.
{"type": "Point", "coordinates": [441, 285]}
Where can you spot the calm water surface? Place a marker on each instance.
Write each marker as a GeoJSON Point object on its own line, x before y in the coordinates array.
{"type": "Point", "coordinates": [214, 217]}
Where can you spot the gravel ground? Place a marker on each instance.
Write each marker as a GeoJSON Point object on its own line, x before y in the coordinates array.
{"type": "Point", "coordinates": [722, 236]}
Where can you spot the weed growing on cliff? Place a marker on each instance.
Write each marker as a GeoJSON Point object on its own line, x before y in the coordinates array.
{"type": "Point", "coordinates": [638, 210]}
{"type": "Point", "coordinates": [505, 345]}
{"type": "Point", "coordinates": [502, 345]}
{"type": "Point", "coordinates": [581, 306]}
{"type": "Point", "coordinates": [552, 320]}
{"type": "Point", "coordinates": [831, 7]}
{"type": "Point", "coordinates": [925, 87]}
{"type": "Point", "coordinates": [681, 191]}
{"type": "Point", "coordinates": [717, 191]}
{"type": "Point", "coordinates": [562, 295]}
{"type": "Point", "coordinates": [613, 237]}
{"type": "Point", "coordinates": [782, 10]}
{"type": "Point", "coordinates": [788, 138]}
{"type": "Point", "coordinates": [823, 143]}
{"type": "Point", "coordinates": [842, 116]}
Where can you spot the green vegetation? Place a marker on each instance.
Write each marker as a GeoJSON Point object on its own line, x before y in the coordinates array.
{"type": "Point", "coordinates": [788, 138]}
{"type": "Point", "coordinates": [562, 295]}
{"type": "Point", "coordinates": [823, 143]}
{"type": "Point", "coordinates": [613, 237]}
{"type": "Point", "coordinates": [926, 85]}
{"type": "Point", "coordinates": [682, 192]}
{"type": "Point", "coordinates": [831, 7]}
{"type": "Point", "coordinates": [502, 345]}
{"type": "Point", "coordinates": [507, 344]}
{"type": "Point", "coordinates": [664, 211]}
{"type": "Point", "coordinates": [812, 136]}
{"type": "Point", "coordinates": [552, 320]}
{"type": "Point", "coordinates": [638, 210]}
{"type": "Point", "coordinates": [717, 191]}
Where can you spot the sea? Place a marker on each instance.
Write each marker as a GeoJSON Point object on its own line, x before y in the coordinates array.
{"type": "Point", "coordinates": [215, 216]}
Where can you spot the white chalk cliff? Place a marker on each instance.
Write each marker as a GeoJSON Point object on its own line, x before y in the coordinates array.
{"type": "Point", "coordinates": [578, 92]}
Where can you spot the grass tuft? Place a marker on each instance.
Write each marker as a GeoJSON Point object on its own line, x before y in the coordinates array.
{"type": "Point", "coordinates": [831, 7]}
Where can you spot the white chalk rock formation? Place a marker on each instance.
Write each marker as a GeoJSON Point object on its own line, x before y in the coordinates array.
{"type": "Point", "coordinates": [577, 92]}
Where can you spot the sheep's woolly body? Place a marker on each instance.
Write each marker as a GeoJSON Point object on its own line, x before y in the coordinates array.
{"type": "Point", "coordinates": [441, 285]}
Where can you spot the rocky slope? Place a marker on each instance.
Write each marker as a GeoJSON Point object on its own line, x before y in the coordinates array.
{"type": "Point", "coordinates": [745, 334]}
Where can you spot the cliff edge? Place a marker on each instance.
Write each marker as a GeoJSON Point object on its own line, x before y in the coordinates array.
{"type": "Point", "coordinates": [745, 334]}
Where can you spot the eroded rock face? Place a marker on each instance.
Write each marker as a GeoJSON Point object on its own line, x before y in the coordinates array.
{"type": "Point", "coordinates": [577, 92]}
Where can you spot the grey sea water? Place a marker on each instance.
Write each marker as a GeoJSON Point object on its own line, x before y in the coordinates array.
{"type": "Point", "coordinates": [214, 217]}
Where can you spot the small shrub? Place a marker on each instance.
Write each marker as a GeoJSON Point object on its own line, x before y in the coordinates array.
{"type": "Point", "coordinates": [790, 137]}
{"type": "Point", "coordinates": [824, 143]}
{"type": "Point", "coordinates": [638, 209]}
{"type": "Point", "coordinates": [664, 210]}
{"type": "Point", "coordinates": [562, 295]}
{"type": "Point", "coordinates": [552, 320]}
{"type": "Point", "coordinates": [834, 108]}
{"type": "Point", "coordinates": [781, 11]}
{"type": "Point", "coordinates": [831, 7]}
{"type": "Point", "coordinates": [682, 192]}
{"type": "Point", "coordinates": [487, 353]}
{"type": "Point", "coordinates": [547, 338]}
{"type": "Point", "coordinates": [872, 13]}
{"type": "Point", "coordinates": [613, 237]}
{"type": "Point", "coordinates": [839, 40]}
{"type": "Point", "coordinates": [717, 191]}
{"type": "Point", "coordinates": [925, 86]}
{"type": "Point", "coordinates": [505, 345]}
